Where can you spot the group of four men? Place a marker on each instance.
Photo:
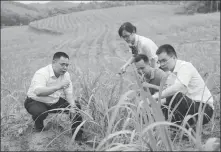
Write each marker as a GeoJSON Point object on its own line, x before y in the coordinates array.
{"type": "Point", "coordinates": [51, 86]}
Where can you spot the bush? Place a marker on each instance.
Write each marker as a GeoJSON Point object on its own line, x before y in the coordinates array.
{"type": "Point", "coordinates": [193, 7]}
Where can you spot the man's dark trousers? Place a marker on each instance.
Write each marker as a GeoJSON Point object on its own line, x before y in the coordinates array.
{"type": "Point", "coordinates": [186, 106]}
{"type": "Point", "coordinates": [39, 112]}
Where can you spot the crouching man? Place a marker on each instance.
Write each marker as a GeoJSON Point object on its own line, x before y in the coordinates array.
{"type": "Point", "coordinates": [51, 88]}
{"type": "Point", "coordinates": [189, 89]}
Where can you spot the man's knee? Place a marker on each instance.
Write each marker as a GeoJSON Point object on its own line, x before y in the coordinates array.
{"type": "Point", "coordinates": [208, 114]}
{"type": "Point", "coordinates": [37, 109]}
{"type": "Point", "coordinates": [37, 113]}
{"type": "Point", "coordinates": [176, 97]}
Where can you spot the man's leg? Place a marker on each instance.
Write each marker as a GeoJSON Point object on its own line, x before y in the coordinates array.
{"type": "Point", "coordinates": [38, 112]}
{"type": "Point", "coordinates": [179, 103]}
{"type": "Point", "coordinates": [76, 119]}
{"type": "Point", "coordinates": [185, 106]}
{"type": "Point", "coordinates": [207, 114]}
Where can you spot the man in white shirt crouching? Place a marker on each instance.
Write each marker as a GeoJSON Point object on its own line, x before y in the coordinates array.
{"type": "Point", "coordinates": [189, 89]}
{"type": "Point", "coordinates": [51, 88]}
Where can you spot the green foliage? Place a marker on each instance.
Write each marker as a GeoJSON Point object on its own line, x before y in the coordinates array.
{"type": "Point", "coordinates": [15, 13]}
{"type": "Point", "coordinates": [192, 7]}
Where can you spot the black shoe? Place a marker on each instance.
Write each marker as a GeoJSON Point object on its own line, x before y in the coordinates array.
{"type": "Point", "coordinates": [39, 125]}
{"type": "Point", "coordinates": [79, 136]}
{"type": "Point", "coordinates": [38, 129]}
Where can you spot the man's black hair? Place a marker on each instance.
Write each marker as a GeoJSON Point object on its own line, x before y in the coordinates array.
{"type": "Point", "coordinates": [127, 26]}
{"type": "Point", "coordinates": [140, 57]}
{"type": "Point", "coordinates": [58, 55]}
{"type": "Point", "coordinates": [167, 48]}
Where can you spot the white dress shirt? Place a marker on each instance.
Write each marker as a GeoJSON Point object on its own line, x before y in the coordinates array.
{"type": "Point", "coordinates": [145, 46]}
{"type": "Point", "coordinates": [196, 89]}
{"type": "Point", "coordinates": [45, 77]}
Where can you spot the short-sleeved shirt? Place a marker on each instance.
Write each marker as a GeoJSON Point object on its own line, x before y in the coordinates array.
{"type": "Point", "coordinates": [143, 45]}
{"type": "Point", "coordinates": [196, 89]}
{"type": "Point", "coordinates": [45, 77]}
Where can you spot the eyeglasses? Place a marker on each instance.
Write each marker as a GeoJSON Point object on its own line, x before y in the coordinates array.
{"type": "Point", "coordinates": [64, 64]}
{"type": "Point", "coordinates": [126, 36]}
{"type": "Point", "coordinates": [163, 62]}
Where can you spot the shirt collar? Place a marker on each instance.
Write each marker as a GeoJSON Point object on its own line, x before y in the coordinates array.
{"type": "Point", "coordinates": [51, 71]}
{"type": "Point", "coordinates": [178, 64]}
{"type": "Point", "coordinates": [136, 41]}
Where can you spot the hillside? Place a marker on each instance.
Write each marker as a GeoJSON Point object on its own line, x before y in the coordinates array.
{"type": "Point", "coordinates": [53, 4]}
{"type": "Point", "coordinates": [15, 13]}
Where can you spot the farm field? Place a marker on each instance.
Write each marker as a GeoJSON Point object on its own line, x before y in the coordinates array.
{"type": "Point", "coordinates": [96, 52]}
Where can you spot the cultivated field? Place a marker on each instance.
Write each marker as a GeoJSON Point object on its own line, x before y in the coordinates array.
{"type": "Point", "coordinates": [96, 53]}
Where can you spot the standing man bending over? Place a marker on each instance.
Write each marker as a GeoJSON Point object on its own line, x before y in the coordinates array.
{"type": "Point", "coordinates": [138, 45]}
{"type": "Point", "coordinates": [51, 88]}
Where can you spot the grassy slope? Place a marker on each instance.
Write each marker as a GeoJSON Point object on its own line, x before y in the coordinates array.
{"type": "Point", "coordinates": [92, 37]}
{"type": "Point", "coordinates": [30, 11]}
{"type": "Point", "coordinates": [13, 8]}
{"type": "Point", "coordinates": [54, 4]}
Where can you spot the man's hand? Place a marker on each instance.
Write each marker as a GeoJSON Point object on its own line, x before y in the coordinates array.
{"type": "Point", "coordinates": [156, 96]}
{"type": "Point", "coordinates": [73, 106]}
{"type": "Point", "coordinates": [148, 85]}
{"type": "Point", "coordinates": [145, 84]}
{"type": "Point", "coordinates": [123, 69]}
{"type": "Point", "coordinates": [63, 84]}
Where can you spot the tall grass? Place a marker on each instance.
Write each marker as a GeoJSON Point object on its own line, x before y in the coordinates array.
{"type": "Point", "coordinates": [121, 120]}
{"type": "Point", "coordinates": [116, 117]}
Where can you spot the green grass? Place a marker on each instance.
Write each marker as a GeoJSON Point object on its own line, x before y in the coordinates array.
{"type": "Point", "coordinates": [112, 108]}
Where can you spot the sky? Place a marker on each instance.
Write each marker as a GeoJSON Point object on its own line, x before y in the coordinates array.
{"type": "Point", "coordinates": [28, 2]}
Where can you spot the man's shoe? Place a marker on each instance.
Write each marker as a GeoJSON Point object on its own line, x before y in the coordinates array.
{"type": "Point", "coordinates": [38, 129]}
{"type": "Point", "coordinates": [79, 136]}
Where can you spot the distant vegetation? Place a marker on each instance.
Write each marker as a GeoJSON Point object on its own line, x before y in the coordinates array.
{"type": "Point", "coordinates": [15, 13]}
{"type": "Point", "coordinates": [192, 7]}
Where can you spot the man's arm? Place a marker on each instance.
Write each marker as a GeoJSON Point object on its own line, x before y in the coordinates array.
{"type": "Point", "coordinates": [124, 67]}
{"type": "Point", "coordinates": [145, 84]}
{"type": "Point", "coordinates": [173, 89]}
{"type": "Point", "coordinates": [152, 57]}
{"type": "Point", "coordinates": [153, 62]}
{"type": "Point", "coordinates": [70, 99]}
{"type": "Point", "coordinates": [45, 91]}
{"type": "Point", "coordinates": [39, 82]}
{"type": "Point", "coordinates": [69, 91]}
{"type": "Point", "coordinates": [180, 85]}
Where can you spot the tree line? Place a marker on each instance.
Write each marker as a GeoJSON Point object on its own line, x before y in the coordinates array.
{"type": "Point", "coordinates": [11, 18]}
